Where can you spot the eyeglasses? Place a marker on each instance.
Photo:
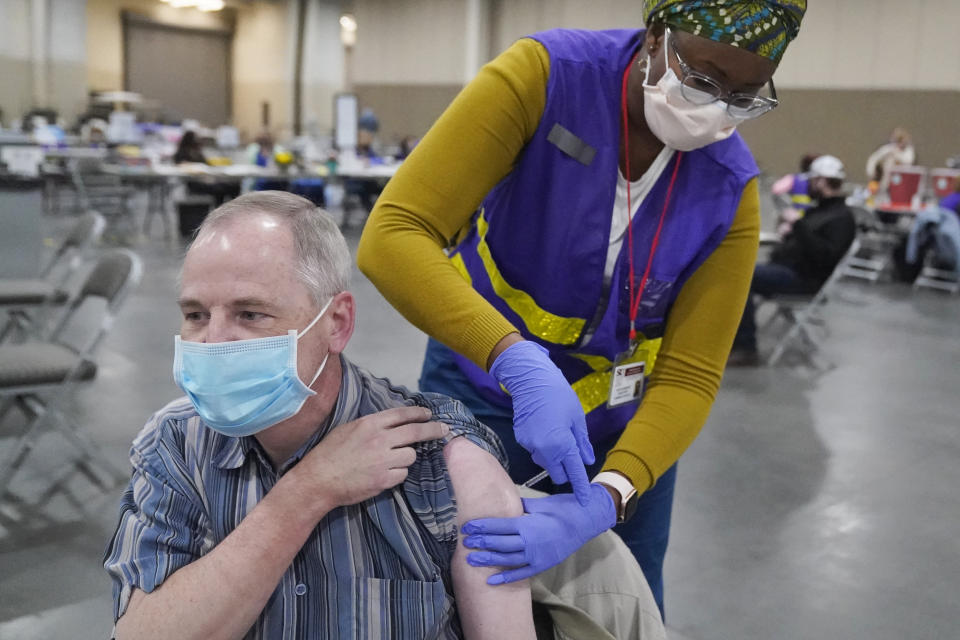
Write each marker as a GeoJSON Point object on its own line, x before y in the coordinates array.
{"type": "Point", "coordinates": [700, 89]}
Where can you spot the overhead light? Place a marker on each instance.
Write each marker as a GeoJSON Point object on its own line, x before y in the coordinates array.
{"type": "Point", "coordinates": [348, 30]}
{"type": "Point", "coordinates": [202, 5]}
{"type": "Point", "coordinates": [348, 22]}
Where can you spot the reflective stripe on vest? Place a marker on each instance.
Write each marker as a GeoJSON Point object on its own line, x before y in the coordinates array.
{"type": "Point", "coordinates": [458, 263]}
{"type": "Point", "coordinates": [801, 200]}
{"type": "Point", "coordinates": [594, 388]}
{"type": "Point", "coordinates": [539, 322]}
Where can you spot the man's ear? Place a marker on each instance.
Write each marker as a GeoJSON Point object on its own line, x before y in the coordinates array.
{"type": "Point", "coordinates": [343, 313]}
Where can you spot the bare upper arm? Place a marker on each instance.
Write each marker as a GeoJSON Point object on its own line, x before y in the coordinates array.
{"type": "Point", "coordinates": [483, 490]}
{"type": "Point", "coordinates": [136, 597]}
{"type": "Point", "coordinates": [481, 486]}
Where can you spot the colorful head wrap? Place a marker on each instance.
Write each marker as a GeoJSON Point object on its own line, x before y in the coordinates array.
{"type": "Point", "coordinates": [764, 27]}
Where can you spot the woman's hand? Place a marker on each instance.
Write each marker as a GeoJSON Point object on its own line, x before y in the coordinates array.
{"type": "Point", "coordinates": [550, 530]}
{"type": "Point", "coordinates": [548, 419]}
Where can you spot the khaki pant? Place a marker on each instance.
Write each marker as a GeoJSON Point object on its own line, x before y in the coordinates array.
{"type": "Point", "coordinates": [598, 593]}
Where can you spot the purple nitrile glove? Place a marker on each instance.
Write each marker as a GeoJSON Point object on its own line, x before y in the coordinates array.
{"type": "Point", "coordinates": [550, 530]}
{"type": "Point", "coordinates": [548, 419]}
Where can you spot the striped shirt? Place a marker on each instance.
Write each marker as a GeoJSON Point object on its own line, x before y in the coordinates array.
{"type": "Point", "coordinates": [377, 569]}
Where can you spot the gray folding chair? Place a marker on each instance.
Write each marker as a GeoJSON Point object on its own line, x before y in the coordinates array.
{"type": "Point", "coordinates": [875, 252]}
{"type": "Point", "coordinates": [106, 193]}
{"type": "Point", "coordinates": [39, 377]}
{"type": "Point", "coordinates": [941, 269]}
{"type": "Point", "coordinates": [802, 313]}
{"type": "Point", "coordinates": [932, 277]}
{"type": "Point", "coordinates": [26, 300]}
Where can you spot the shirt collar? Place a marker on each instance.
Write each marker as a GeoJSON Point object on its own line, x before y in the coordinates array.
{"type": "Point", "coordinates": [229, 452]}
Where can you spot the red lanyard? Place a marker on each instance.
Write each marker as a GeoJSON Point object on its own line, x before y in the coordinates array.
{"type": "Point", "coordinates": [637, 293]}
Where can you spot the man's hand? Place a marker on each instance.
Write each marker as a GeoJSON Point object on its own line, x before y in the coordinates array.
{"type": "Point", "coordinates": [548, 419]}
{"type": "Point", "coordinates": [359, 459]}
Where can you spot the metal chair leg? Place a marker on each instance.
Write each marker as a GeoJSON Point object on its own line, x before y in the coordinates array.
{"type": "Point", "coordinates": [5, 405]}
{"type": "Point", "coordinates": [798, 330]}
{"type": "Point", "coordinates": [9, 327]}
{"type": "Point", "coordinates": [22, 447]}
{"type": "Point", "coordinates": [778, 350]}
{"type": "Point", "coordinates": [89, 450]}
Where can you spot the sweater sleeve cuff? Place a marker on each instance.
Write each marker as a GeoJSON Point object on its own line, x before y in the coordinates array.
{"type": "Point", "coordinates": [482, 335]}
{"type": "Point", "coordinates": [631, 466]}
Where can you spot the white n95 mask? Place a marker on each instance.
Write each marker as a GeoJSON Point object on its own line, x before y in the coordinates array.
{"type": "Point", "coordinates": [242, 387]}
{"type": "Point", "coordinates": [679, 123]}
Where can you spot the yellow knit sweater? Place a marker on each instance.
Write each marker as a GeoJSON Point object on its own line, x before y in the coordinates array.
{"type": "Point", "coordinates": [472, 146]}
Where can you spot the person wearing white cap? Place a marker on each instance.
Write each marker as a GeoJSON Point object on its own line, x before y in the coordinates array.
{"type": "Point", "coordinates": [807, 255]}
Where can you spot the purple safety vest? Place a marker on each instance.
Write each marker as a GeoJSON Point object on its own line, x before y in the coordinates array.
{"type": "Point", "coordinates": [799, 197]}
{"type": "Point", "coordinates": [538, 245]}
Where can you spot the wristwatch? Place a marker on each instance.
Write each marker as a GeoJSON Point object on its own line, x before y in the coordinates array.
{"type": "Point", "coordinates": [628, 494]}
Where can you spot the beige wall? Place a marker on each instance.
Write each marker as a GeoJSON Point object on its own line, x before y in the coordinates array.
{"type": "Point", "coordinates": [323, 66]}
{"type": "Point", "coordinates": [104, 45]}
{"type": "Point", "coordinates": [263, 66]}
{"type": "Point", "coordinates": [17, 94]}
{"type": "Point", "coordinates": [851, 124]}
{"type": "Point", "coordinates": [48, 72]}
{"type": "Point", "coordinates": [859, 68]}
{"type": "Point", "coordinates": [67, 51]}
{"type": "Point", "coordinates": [514, 19]}
{"type": "Point", "coordinates": [405, 109]}
{"type": "Point", "coordinates": [876, 44]}
{"type": "Point", "coordinates": [409, 42]}
{"type": "Point", "coordinates": [262, 56]}
{"type": "Point", "coordinates": [16, 67]}
{"type": "Point", "coordinates": [105, 34]}
{"type": "Point", "coordinates": [847, 44]}
{"type": "Point", "coordinates": [412, 57]}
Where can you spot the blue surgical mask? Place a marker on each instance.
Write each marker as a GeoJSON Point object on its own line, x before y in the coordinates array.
{"type": "Point", "coordinates": [242, 387]}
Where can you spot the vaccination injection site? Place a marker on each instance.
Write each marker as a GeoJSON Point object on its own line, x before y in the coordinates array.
{"type": "Point", "coordinates": [479, 319]}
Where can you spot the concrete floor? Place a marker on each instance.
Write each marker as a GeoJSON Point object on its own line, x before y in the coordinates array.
{"type": "Point", "coordinates": [813, 505]}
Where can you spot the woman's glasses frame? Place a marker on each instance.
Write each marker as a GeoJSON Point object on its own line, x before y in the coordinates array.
{"type": "Point", "coordinates": [699, 88]}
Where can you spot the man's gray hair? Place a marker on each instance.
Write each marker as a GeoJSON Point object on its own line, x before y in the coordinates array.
{"type": "Point", "coordinates": [323, 259]}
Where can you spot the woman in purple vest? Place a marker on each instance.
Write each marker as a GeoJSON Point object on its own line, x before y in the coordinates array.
{"type": "Point", "coordinates": [577, 235]}
{"type": "Point", "coordinates": [790, 191]}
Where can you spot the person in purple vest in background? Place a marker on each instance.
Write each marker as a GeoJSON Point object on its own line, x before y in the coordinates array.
{"type": "Point", "coordinates": [952, 200]}
{"type": "Point", "coordinates": [576, 234]}
{"type": "Point", "coordinates": [791, 193]}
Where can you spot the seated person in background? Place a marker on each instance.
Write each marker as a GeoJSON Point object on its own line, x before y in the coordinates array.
{"type": "Point", "coordinates": [952, 201]}
{"type": "Point", "coordinates": [189, 150]}
{"type": "Point", "coordinates": [899, 151]}
{"type": "Point", "coordinates": [934, 239]}
{"type": "Point", "coordinates": [792, 192]}
{"type": "Point", "coordinates": [261, 151]}
{"type": "Point", "coordinates": [406, 146]}
{"type": "Point", "coordinates": [367, 191]}
{"type": "Point", "coordinates": [367, 127]}
{"type": "Point", "coordinates": [291, 494]}
{"type": "Point", "coordinates": [368, 121]}
{"type": "Point", "coordinates": [806, 257]}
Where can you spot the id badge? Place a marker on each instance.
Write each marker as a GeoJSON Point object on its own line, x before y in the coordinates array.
{"type": "Point", "coordinates": [626, 383]}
